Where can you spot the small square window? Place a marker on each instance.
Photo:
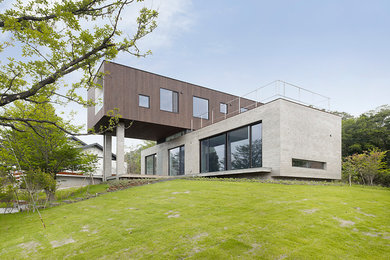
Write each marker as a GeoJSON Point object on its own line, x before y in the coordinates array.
{"type": "Point", "coordinates": [223, 108]}
{"type": "Point", "coordinates": [243, 109]}
{"type": "Point", "coordinates": [143, 101]}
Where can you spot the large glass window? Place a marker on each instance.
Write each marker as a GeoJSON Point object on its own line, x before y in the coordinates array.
{"type": "Point", "coordinates": [176, 161]}
{"type": "Point", "coordinates": [200, 107]}
{"type": "Point", "coordinates": [143, 101]}
{"type": "Point", "coordinates": [256, 145]}
{"type": "Point", "coordinates": [169, 100]}
{"type": "Point", "coordinates": [150, 162]}
{"type": "Point", "coordinates": [213, 153]}
{"type": "Point", "coordinates": [238, 149]}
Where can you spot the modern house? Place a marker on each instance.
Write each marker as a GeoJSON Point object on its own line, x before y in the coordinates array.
{"type": "Point", "coordinates": [200, 131]}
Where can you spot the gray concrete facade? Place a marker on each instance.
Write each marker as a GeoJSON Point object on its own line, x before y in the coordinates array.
{"type": "Point", "coordinates": [289, 130]}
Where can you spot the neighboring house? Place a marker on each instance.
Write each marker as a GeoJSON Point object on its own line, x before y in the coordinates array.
{"type": "Point", "coordinates": [200, 131]}
{"type": "Point", "coordinates": [96, 149]}
{"type": "Point", "coordinates": [69, 179]}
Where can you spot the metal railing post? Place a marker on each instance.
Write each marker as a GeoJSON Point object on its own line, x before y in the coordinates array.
{"type": "Point", "coordinates": [212, 116]}
{"type": "Point", "coordinates": [239, 105]}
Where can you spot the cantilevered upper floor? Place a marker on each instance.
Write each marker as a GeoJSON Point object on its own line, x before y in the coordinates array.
{"type": "Point", "coordinates": [156, 106]}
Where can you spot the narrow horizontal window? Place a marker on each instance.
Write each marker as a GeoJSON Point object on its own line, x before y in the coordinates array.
{"type": "Point", "coordinates": [243, 109]}
{"type": "Point", "coordinates": [308, 164]}
{"type": "Point", "coordinates": [143, 101]}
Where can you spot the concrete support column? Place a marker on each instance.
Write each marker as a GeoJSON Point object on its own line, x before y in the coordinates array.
{"type": "Point", "coordinates": [120, 150]}
{"type": "Point", "coordinates": [107, 156]}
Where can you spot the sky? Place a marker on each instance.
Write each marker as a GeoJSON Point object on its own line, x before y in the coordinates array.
{"type": "Point", "coordinates": [338, 48]}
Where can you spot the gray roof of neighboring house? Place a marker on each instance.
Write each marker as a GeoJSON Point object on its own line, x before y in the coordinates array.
{"type": "Point", "coordinates": [94, 145]}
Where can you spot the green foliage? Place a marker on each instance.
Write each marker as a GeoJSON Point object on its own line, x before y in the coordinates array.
{"type": "Point", "coordinates": [42, 150]}
{"type": "Point", "coordinates": [367, 131]}
{"type": "Point", "coordinates": [58, 38]}
{"type": "Point", "coordinates": [37, 180]}
{"type": "Point", "coordinates": [133, 158]}
{"type": "Point", "coordinates": [7, 187]}
{"type": "Point", "coordinates": [365, 168]}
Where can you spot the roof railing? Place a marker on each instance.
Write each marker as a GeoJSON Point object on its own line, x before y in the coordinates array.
{"type": "Point", "coordinates": [265, 94]}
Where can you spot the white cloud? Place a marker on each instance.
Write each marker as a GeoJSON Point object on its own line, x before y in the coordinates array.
{"type": "Point", "coordinates": [175, 17]}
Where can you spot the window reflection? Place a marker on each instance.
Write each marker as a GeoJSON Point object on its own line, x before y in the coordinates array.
{"type": "Point", "coordinates": [223, 108]}
{"type": "Point", "coordinates": [169, 100]}
{"type": "Point", "coordinates": [238, 149]}
{"type": "Point", "coordinates": [176, 161]}
{"type": "Point", "coordinates": [257, 144]}
{"type": "Point", "coordinates": [200, 107]}
{"type": "Point", "coordinates": [143, 101]}
{"type": "Point", "coordinates": [213, 154]}
{"type": "Point", "coordinates": [150, 164]}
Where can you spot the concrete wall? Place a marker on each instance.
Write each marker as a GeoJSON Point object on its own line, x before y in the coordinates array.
{"type": "Point", "coordinates": [289, 130]}
{"type": "Point", "coordinates": [67, 181]}
{"type": "Point", "coordinates": [309, 134]}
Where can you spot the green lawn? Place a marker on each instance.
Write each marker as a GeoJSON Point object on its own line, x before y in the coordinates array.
{"type": "Point", "coordinates": [209, 219]}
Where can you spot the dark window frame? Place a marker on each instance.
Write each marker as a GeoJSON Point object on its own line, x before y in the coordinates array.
{"type": "Point", "coordinates": [208, 107]}
{"type": "Point", "coordinates": [169, 160]}
{"type": "Point", "coordinates": [226, 107]}
{"type": "Point", "coordinates": [243, 109]}
{"type": "Point", "coordinates": [307, 164]}
{"type": "Point", "coordinates": [173, 103]}
{"type": "Point", "coordinates": [154, 163]}
{"type": "Point", "coordinates": [142, 95]}
{"type": "Point", "coordinates": [226, 143]}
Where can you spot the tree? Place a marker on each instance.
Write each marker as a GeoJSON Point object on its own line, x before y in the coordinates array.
{"type": "Point", "coordinates": [42, 150]}
{"type": "Point", "coordinates": [133, 158]}
{"type": "Point", "coordinates": [364, 168]}
{"type": "Point", "coordinates": [55, 39]}
{"type": "Point", "coordinates": [369, 130]}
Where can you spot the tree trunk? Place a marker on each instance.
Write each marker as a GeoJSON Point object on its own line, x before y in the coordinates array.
{"type": "Point", "coordinates": [50, 195]}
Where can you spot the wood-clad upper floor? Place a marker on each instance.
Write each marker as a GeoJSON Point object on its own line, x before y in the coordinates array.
{"type": "Point", "coordinates": [123, 85]}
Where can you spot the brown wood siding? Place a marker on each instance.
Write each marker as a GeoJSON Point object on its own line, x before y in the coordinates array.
{"type": "Point", "coordinates": [123, 84]}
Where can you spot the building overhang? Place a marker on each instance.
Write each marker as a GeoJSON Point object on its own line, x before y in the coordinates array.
{"type": "Point", "coordinates": [142, 130]}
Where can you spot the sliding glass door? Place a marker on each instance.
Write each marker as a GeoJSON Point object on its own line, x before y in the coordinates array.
{"type": "Point", "coordinates": [176, 161]}
{"type": "Point", "coordinates": [237, 149]}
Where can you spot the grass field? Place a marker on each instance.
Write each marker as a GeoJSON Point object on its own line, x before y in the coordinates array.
{"type": "Point", "coordinates": [209, 219]}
